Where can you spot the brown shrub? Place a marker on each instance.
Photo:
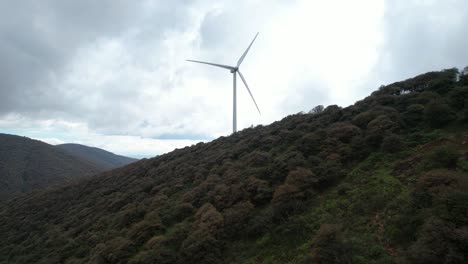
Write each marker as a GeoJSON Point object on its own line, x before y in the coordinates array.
{"type": "Point", "coordinates": [208, 219]}
{"type": "Point", "coordinates": [329, 246]}
{"type": "Point", "coordinates": [286, 192]}
{"type": "Point", "coordinates": [344, 131]}
{"type": "Point", "coordinates": [259, 191]}
{"type": "Point", "coordinates": [237, 217]}
{"type": "Point", "coordinates": [301, 178]}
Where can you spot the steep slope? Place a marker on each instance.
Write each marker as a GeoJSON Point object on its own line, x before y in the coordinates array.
{"type": "Point", "coordinates": [102, 158]}
{"type": "Point", "coordinates": [382, 181]}
{"type": "Point", "coordinates": [26, 164]}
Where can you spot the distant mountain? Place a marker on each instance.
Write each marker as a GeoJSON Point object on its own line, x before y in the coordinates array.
{"type": "Point", "coordinates": [102, 158]}
{"type": "Point", "coordinates": [382, 181]}
{"type": "Point", "coordinates": [27, 164]}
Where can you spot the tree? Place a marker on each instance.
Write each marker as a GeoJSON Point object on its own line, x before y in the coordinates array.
{"type": "Point", "coordinates": [378, 128]}
{"type": "Point", "coordinates": [317, 109]}
{"type": "Point", "coordinates": [458, 97]}
{"type": "Point", "coordinates": [302, 178]}
{"type": "Point", "coordinates": [438, 114]}
{"type": "Point", "coordinates": [413, 115]}
{"type": "Point", "coordinates": [329, 246]}
{"type": "Point", "coordinates": [344, 131]}
{"type": "Point", "coordinates": [392, 143]}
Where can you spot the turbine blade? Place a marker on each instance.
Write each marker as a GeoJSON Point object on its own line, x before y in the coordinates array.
{"type": "Point", "coordinates": [246, 51]}
{"type": "Point", "coordinates": [214, 64]}
{"type": "Point", "coordinates": [246, 86]}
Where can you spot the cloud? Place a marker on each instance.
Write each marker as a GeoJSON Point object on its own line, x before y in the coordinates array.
{"type": "Point", "coordinates": [37, 40]}
{"type": "Point", "coordinates": [421, 36]}
{"type": "Point", "coordinates": [115, 71]}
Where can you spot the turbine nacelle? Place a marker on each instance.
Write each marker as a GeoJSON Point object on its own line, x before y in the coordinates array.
{"type": "Point", "coordinates": [235, 71]}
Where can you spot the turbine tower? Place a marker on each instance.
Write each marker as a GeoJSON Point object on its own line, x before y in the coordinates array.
{"type": "Point", "coordinates": [234, 70]}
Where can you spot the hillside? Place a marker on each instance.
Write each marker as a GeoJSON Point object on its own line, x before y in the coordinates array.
{"type": "Point", "coordinates": [382, 181]}
{"type": "Point", "coordinates": [27, 164]}
{"type": "Point", "coordinates": [102, 158]}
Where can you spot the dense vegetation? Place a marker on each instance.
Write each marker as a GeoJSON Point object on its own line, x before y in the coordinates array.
{"type": "Point", "coordinates": [26, 164]}
{"type": "Point", "coordinates": [382, 181]}
{"type": "Point", "coordinates": [102, 158]}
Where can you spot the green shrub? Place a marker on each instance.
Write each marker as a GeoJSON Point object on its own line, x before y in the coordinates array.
{"type": "Point", "coordinates": [201, 247]}
{"type": "Point", "coordinates": [392, 143]}
{"type": "Point", "coordinates": [329, 246]}
{"type": "Point", "coordinates": [438, 114]}
{"type": "Point", "coordinates": [443, 157]}
{"type": "Point", "coordinates": [302, 178]}
{"type": "Point", "coordinates": [328, 172]}
{"type": "Point", "coordinates": [112, 251]}
{"type": "Point", "coordinates": [413, 115]}
{"type": "Point", "coordinates": [437, 243]}
{"type": "Point", "coordinates": [430, 185]}
{"type": "Point", "coordinates": [458, 97]}
{"type": "Point", "coordinates": [427, 97]}
{"type": "Point", "coordinates": [260, 223]}
{"type": "Point", "coordinates": [236, 218]}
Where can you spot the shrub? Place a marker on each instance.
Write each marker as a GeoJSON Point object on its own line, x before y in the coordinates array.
{"type": "Point", "coordinates": [113, 251]}
{"type": "Point", "coordinates": [381, 125]}
{"type": "Point", "coordinates": [414, 114]}
{"type": "Point", "coordinates": [456, 203]}
{"type": "Point", "coordinates": [317, 109]}
{"type": "Point", "coordinates": [286, 192]}
{"type": "Point", "coordinates": [459, 97]}
{"type": "Point", "coordinates": [361, 120]}
{"type": "Point", "coordinates": [443, 157]}
{"type": "Point", "coordinates": [260, 223]}
{"type": "Point", "coordinates": [178, 213]}
{"type": "Point", "coordinates": [344, 188]}
{"type": "Point", "coordinates": [309, 144]}
{"type": "Point", "coordinates": [329, 246]}
{"type": "Point", "coordinates": [438, 114]}
{"type": "Point", "coordinates": [329, 172]}
{"type": "Point", "coordinates": [208, 219]}
{"type": "Point", "coordinates": [140, 232]}
{"type": "Point", "coordinates": [430, 185]}
{"type": "Point", "coordinates": [427, 97]}
{"type": "Point", "coordinates": [259, 191]}
{"type": "Point", "coordinates": [237, 217]}
{"type": "Point", "coordinates": [302, 178]}
{"type": "Point", "coordinates": [258, 159]}
{"type": "Point", "coordinates": [130, 214]}
{"type": "Point", "coordinates": [377, 128]}
{"type": "Point", "coordinates": [201, 247]}
{"type": "Point", "coordinates": [287, 200]}
{"type": "Point", "coordinates": [436, 244]}
{"type": "Point", "coordinates": [359, 148]}
{"type": "Point", "coordinates": [160, 255]}
{"type": "Point", "coordinates": [392, 143]}
{"type": "Point", "coordinates": [344, 131]}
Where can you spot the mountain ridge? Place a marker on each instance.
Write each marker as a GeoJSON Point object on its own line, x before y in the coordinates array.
{"type": "Point", "coordinates": [101, 157]}
{"type": "Point", "coordinates": [27, 164]}
{"type": "Point", "coordinates": [382, 181]}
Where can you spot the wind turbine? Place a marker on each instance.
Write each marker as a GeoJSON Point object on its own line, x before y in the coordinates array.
{"type": "Point", "coordinates": [234, 70]}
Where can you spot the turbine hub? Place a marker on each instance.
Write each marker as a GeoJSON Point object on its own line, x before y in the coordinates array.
{"type": "Point", "coordinates": [234, 70]}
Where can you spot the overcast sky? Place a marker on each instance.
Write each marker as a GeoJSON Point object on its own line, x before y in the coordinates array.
{"type": "Point", "coordinates": [112, 74]}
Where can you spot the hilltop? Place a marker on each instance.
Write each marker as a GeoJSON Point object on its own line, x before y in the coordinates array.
{"type": "Point", "coordinates": [102, 158]}
{"type": "Point", "coordinates": [27, 164]}
{"type": "Point", "coordinates": [382, 181]}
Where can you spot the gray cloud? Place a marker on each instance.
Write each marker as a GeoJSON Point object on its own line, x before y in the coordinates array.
{"type": "Point", "coordinates": [37, 40]}
{"type": "Point", "coordinates": [421, 36]}
{"type": "Point", "coordinates": [118, 67]}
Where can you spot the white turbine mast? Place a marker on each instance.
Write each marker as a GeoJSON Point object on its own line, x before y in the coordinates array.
{"type": "Point", "coordinates": [234, 70]}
